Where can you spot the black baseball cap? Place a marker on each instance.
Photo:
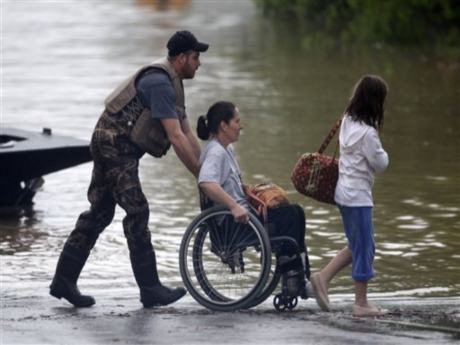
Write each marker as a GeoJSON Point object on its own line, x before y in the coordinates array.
{"type": "Point", "coordinates": [183, 41]}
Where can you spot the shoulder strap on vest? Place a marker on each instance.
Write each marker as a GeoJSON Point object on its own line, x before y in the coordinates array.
{"type": "Point", "coordinates": [123, 94]}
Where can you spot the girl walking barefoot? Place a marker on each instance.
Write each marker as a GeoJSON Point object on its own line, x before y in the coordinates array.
{"type": "Point", "coordinates": [361, 155]}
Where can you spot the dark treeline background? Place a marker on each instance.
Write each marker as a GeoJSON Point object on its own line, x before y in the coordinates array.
{"type": "Point", "coordinates": [414, 22]}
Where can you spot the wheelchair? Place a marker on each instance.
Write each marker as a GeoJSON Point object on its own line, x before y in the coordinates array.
{"type": "Point", "coordinates": [227, 266]}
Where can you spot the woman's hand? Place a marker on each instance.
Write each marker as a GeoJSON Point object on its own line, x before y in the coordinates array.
{"type": "Point", "coordinates": [217, 194]}
{"type": "Point", "coordinates": [240, 214]}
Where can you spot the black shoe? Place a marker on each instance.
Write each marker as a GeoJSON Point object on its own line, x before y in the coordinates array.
{"type": "Point", "coordinates": [61, 288]}
{"type": "Point", "coordinates": [296, 284]}
{"type": "Point", "coordinates": [159, 295]}
{"type": "Point", "coordinates": [303, 290]}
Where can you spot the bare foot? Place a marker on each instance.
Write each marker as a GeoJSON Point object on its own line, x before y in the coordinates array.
{"type": "Point", "coordinates": [368, 311]}
{"type": "Point", "coordinates": [320, 292]}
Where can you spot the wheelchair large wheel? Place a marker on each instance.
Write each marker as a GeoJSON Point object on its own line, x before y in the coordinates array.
{"type": "Point", "coordinates": [224, 265]}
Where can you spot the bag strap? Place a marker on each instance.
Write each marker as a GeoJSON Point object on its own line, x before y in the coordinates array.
{"type": "Point", "coordinates": [330, 136]}
{"type": "Point", "coordinates": [261, 208]}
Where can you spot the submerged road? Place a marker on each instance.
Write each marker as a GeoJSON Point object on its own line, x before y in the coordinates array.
{"type": "Point", "coordinates": [45, 320]}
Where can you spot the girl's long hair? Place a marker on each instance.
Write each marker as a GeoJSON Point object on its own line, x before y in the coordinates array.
{"type": "Point", "coordinates": [209, 124]}
{"type": "Point", "coordinates": [367, 101]}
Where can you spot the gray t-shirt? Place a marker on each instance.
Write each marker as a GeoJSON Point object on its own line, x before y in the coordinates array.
{"type": "Point", "coordinates": [219, 165]}
{"type": "Point", "coordinates": [156, 92]}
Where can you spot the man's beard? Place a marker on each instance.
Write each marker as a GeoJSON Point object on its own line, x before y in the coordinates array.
{"type": "Point", "coordinates": [189, 73]}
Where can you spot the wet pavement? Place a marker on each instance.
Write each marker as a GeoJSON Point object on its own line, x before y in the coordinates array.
{"type": "Point", "coordinates": [45, 320]}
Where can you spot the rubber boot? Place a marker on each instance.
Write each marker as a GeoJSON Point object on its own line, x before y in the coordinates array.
{"type": "Point", "coordinates": [68, 269]}
{"type": "Point", "coordinates": [294, 276]}
{"type": "Point", "coordinates": [152, 292]}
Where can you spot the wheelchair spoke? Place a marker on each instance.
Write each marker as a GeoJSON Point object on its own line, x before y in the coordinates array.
{"type": "Point", "coordinates": [235, 233]}
{"type": "Point", "coordinates": [215, 235]}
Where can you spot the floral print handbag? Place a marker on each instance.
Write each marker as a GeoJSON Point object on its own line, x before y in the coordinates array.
{"type": "Point", "coordinates": [315, 174]}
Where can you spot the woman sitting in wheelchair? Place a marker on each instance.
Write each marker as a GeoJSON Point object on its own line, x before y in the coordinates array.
{"type": "Point", "coordinates": [220, 180]}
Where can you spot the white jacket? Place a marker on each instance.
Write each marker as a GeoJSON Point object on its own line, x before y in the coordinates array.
{"type": "Point", "coordinates": [361, 155]}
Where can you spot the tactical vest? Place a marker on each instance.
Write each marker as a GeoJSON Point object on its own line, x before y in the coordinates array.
{"type": "Point", "coordinates": [146, 132]}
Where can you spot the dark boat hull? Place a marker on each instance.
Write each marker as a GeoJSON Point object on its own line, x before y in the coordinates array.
{"type": "Point", "coordinates": [23, 166]}
{"type": "Point", "coordinates": [38, 154]}
{"type": "Point", "coordinates": [26, 156]}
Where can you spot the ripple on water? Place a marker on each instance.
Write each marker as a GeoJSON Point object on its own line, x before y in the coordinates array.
{"type": "Point", "coordinates": [444, 215]}
{"type": "Point", "coordinates": [413, 226]}
{"type": "Point", "coordinates": [327, 234]}
{"type": "Point", "coordinates": [388, 245]}
{"type": "Point", "coordinates": [414, 202]}
{"type": "Point", "coordinates": [412, 292]}
{"type": "Point", "coordinates": [321, 211]}
{"type": "Point", "coordinates": [408, 255]}
{"type": "Point", "coordinates": [416, 223]}
{"type": "Point", "coordinates": [317, 221]}
{"type": "Point", "coordinates": [437, 178]}
{"type": "Point", "coordinates": [389, 252]}
{"type": "Point", "coordinates": [314, 257]}
{"type": "Point", "coordinates": [430, 244]}
{"type": "Point", "coordinates": [113, 240]}
{"type": "Point", "coordinates": [405, 217]}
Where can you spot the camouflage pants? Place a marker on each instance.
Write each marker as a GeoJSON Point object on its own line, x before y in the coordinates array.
{"type": "Point", "coordinates": [114, 181]}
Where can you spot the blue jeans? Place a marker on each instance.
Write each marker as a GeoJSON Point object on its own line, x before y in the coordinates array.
{"type": "Point", "coordinates": [357, 222]}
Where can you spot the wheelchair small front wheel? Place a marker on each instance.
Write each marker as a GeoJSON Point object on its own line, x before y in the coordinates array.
{"type": "Point", "coordinates": [281, 302]}
{"type": "Point", "coordinates": [224, 264]}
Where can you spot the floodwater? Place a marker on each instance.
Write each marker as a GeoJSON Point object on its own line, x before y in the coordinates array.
{"type": "Point", "coordinates": [61, 58]}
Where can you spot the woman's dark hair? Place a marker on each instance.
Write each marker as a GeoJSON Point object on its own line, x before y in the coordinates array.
{"type": "Point", "coordinates": [366, 103]}
{"type": "Point", "coordinates": [209, 124]}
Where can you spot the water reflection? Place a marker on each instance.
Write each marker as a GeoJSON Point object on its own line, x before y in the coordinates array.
{"type": "Point", "coordinates": [164, 5]}
{"type": "Point", "coordinates": [289, 96]}
{"type": "Point", "coordinates": [19, 230]}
